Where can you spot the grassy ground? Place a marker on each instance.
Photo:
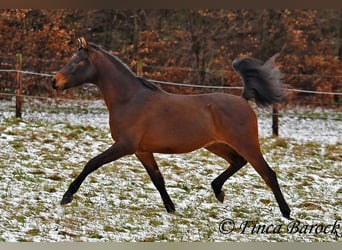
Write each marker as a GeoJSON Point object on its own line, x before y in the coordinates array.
{"type": "Point", "coordinates": [40, 157]}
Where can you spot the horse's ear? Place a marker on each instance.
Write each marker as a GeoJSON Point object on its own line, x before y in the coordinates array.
{"type": "Point", "coordinates": [82, 43]}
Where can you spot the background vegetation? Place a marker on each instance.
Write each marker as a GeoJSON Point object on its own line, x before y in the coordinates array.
{"type": "Point", "coordinates": [185, 46]}
{"type": "Point", "coordinates": [42, 153]}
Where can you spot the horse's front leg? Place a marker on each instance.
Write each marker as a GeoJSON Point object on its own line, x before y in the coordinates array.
{"type": "Point", "coordinates": [116, 151]}
{"type": "Point", "coordinates": [157, 178]}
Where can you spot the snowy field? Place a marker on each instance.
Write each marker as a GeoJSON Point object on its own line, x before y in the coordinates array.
{"type": "Point", "coordinates": [43, 152]}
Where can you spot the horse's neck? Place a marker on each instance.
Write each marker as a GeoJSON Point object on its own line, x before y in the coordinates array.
{"type": "Point", "coordinates": [117, 85]}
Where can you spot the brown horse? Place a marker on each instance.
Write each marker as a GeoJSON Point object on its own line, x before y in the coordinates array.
{"type": "Point", "coordinates": [145, 119]}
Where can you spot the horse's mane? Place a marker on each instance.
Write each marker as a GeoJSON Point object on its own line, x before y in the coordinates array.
{"type": "Point", "coordinates": [112, 58]}
{"type": "Point", "coordinates": [148, 84]}
{"type": "Point", "coordinates": [124, 67]}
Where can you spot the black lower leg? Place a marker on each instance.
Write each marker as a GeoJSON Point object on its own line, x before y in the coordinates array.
{"type": "Point", "coordinates": [74, 186]}
{"type": "Point", "coordinates": [270, 178]}
{"type": "Point", "coordinates": [157, 178]}
{"type": "Point", "coordinates": [231, 156]}
{"type": "Point", "coordinates": [111, 154]}
{"type": "Point", "coordinates": [222, 178]}
{"type": "Point", "coordinates": [283, 206]}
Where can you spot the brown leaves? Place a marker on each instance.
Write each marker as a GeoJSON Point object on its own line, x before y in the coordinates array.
{"type": "Point", "coordinates": [184, 46]}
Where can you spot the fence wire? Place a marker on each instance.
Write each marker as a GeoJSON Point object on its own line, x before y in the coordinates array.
{"type": "Point", "coordinates": [179, 84]}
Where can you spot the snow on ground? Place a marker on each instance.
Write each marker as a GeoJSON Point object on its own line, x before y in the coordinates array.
{"type": "Point", "coordinates": [293, 124]}
{"type": "Point", "coordinates": [326, 127]}
{"type": "Point", "coordinates": [42, 153]}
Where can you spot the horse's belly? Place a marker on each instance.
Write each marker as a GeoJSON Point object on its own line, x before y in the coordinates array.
{"type": "Point", "coordinates": [181, 138]}
{"type": "Point", "coordinates": [178, 148]}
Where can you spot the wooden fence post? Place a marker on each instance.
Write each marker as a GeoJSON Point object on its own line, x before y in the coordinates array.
{"type": "Point", "coordinates": [18, 91]}
{"type": "Point", "coordinates": [140, 71]}
{"type": "Point", "coordinates": [275, 120]}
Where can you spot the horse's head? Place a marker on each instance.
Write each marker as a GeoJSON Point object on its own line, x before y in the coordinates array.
{"type": "Point", "coordinates": [78, 70]}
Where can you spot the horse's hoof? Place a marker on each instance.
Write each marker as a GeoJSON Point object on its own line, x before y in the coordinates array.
{"type": "Point", "coordinates": [220, 196]}
{"type": "Point", "coordinates": [287, 216]}
{"type": "Point", "coordinates": [286, 212]}
{"type": "Point", "coordinates": [170, 208]}
{"type": "Point", "coordinates": [66, 199]}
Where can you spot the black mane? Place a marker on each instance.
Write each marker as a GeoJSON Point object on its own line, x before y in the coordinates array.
{"type": "Point", "coordinates": [148, 84]}
{"type": "Point", "coordinates": [116, 60]}
{"type": "Point", "coordinates": [113, 58]}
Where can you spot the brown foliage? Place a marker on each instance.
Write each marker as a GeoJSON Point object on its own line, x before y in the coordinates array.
{"type": "Point", "coordinates": [184, 46]}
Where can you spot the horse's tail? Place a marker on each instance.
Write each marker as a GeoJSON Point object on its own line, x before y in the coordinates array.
{"type": "Point", "coordinates": [261, 81]}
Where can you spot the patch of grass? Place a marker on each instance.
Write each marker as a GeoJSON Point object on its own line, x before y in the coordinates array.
{"type": "Point", "coordinates": [37, 172]}
{"type": "Point", "coordinates": [55, 177]}
{"type": "Point", "coordinates": [21, 239]}
{"type": "Point", "coordinates": [184, 187]}
{"type": "Point", "coordinates": [20, 218]}
{"type": "Point", "coordinates": [213, 214]}
{"type": "Point", "coordinates": [74, 174]}
{"type": "Point", "coordinates": [33, 232]}
{"type": "Point", "coordinates": [17, 145]}
{"type": "Point", "coordinates": [162, 237]}
{"type": "Point", "coordinates": [279, 142]}
{"type": "Point", "coordinates": [95, 235]}
{"type": "Point", "coordinates": [156, 222]}
{"type": "Point", "coordinates": [309, 149]}
{"type": "Point", "coordinates": [48, 141]}
{"type": "Point", "coordinates": [149, 239]}
{"type": "Point", "coordinates": [69, 234]}
{"type": "Point", "coordinates": [108, 228]}
{"type": "Point", "coordinates": [334, 152]}
{"type": "Point", "coordinates": [265, 201]}
{"type": "Point", "coordinates": [310, 206]}
{"type": "Point", "coordinates": [50, 189]}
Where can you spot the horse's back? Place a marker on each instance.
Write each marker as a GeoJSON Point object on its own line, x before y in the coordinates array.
{"type": "Point", "coordinates": [232, 115]}
{"type": "Point", "coordinates": [230, 105]}
{"type": "Point", "coordinates": [218, 106]}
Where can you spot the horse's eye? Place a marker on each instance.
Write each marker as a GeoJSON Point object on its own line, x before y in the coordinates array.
{"type": "Point", "coordinates": [81, 63]}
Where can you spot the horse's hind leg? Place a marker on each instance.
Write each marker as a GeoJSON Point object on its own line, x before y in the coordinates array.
{"type": "Point", "coordinates": [250, 150]}
{"type": "Point", "coordinates": [269, 176]}
{"type": "Point", "coordinates": [236, 162]}
{"type": "Point", "coordinates": [152, 169]}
